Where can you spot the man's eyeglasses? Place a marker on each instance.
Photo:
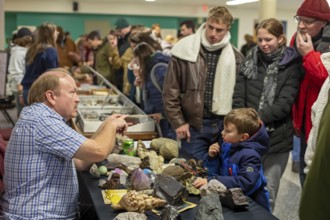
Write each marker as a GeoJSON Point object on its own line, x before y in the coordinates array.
{"type": "Point", "coordinates": [297, 19]}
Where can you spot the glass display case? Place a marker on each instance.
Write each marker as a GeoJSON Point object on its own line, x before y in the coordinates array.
{"type": "Point", "coordinates": [99, 102]}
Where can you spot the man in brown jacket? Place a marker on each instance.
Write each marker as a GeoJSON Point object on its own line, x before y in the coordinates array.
{"type": "Point", "coordinates": [200, 81]}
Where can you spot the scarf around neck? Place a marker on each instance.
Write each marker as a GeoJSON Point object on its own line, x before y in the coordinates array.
{"type": "Point", "coordinates": [225, 76]}
{"type": "Point", "coordinates": [216, 46]}
{"type": "Point", "coordinates": [270, 80]}
{"type": "Point", "coordinates": [321, 41]}
{"type": "Point", "coordinates": [188, 49]}
{"type": "Point", "coordinates": [322, 44]}
{"type": "Point", "coordinates": [250, 70]}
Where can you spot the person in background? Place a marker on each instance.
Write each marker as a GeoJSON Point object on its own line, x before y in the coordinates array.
{"type": "Point", "coordinates": [150, 78]}
{"type": "Point", "coordinates": [85, 53]}
{"type": "Point", "coordinates": [67, 34]}
{"type": "Point", "coordinates": [135, 38]}
{"type": "Point", "coordinates": [125, 53]}
{"type": "Point", "coordinates": [114, 59]}
{"type": "Point", "coordinates": [237, 163]}
{"type": "Point", "coordinates": [40, 57]}
{"type": "Point", "coordinates": [44, 152]}
{"type": "Point", "coordinates": [102, 50]}
{"type": "Point", "coordinates": [16, 67]}
{"type": "Point", "coordinates": [199, 83]}
{"type": "Point", "coordinates": [311, 40]}
{"type": "Point", "coordinates": [66, 49]}
{"type": "Point", "coordinates": [156, 32]}
{"type": "Point", "coordinates": [156, 35]}
{"type": "Point", "coordinates": [248, 45]}
{"type": "Point", "coordinates": [142, 36]}
{"type": "Point", "coordinates": [10, 42]}
{"type": "Point", "coordinates": [269, 82]}
{"type": "Point", "coordinates": [171, 40]}
{"type": "Point", "coordinates": [186, 28]}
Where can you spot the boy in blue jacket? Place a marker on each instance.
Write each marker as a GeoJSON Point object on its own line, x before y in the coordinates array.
{"type": "Point", "coordinates": [237, 163]}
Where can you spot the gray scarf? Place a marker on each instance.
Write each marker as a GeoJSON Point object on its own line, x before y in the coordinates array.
{"type": "Point", "coordinates": [250, 70]}
{"type": "Point", "coordinates": [321, 41]}
{"type": "Point", "coordinates": [323, 44]}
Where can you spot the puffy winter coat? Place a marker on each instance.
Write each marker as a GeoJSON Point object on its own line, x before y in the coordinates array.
{"type": "Point", "coordinates": [239, 165]}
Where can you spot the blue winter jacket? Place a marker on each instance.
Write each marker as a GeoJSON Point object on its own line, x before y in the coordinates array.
{"type": "Point", "coordinates": [153, 98]}
{"type": "Point", "coordinates": [239, 165]}
{"type": "Point", "coordinates": [45, 60]}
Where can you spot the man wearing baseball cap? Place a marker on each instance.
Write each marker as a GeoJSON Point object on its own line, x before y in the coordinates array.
{"type": "Point", "coordinates": [125, 53]}
{"type": "Point", "coordinates": [311, 40]}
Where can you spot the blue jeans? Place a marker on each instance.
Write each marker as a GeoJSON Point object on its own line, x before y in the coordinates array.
{"type": "Point", "coordinates": [167, 130]}
{"type": "Point", "coordinates": [303, 146]}
{"type": "Point", "coordinates": [19, 107]}
{"type": "Point", "coordinates": [201, 140]}
{"type": "Point", "coordinates": [25, 96]}
{"type": "Point", "coordinates": [296, 148]}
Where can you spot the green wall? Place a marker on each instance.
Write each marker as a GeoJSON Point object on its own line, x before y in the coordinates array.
{"type": "Point", "coordinates": [75, 23]}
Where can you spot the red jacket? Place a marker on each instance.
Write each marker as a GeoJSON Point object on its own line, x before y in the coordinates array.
{"type": "Point", "coordinates": [315, 75]}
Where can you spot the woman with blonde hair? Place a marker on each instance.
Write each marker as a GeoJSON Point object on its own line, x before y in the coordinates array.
{"type": "Point", "coordinates": [41, 56]}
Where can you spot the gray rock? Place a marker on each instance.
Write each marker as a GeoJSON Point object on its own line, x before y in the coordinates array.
{"type": "Point", "coordinates": [210, 208]}
{"type": "Point", "coordinates": [130, 216]}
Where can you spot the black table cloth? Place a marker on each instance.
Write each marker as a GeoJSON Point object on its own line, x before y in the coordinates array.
{"type": "Point", "coordinates": [90, 192]}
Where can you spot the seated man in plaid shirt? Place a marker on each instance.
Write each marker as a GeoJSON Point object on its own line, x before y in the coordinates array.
{"type": "Point", "coordinates": [43, 152]}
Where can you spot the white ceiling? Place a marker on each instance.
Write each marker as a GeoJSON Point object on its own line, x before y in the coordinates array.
{"type": "Point", "coordinates": [281, 4]}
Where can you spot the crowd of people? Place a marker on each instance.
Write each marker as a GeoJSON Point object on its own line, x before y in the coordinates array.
{"type": "Point", "coordinates": [236, 112]}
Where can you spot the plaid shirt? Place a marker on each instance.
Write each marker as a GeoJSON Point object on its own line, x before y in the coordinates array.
{"type": "Point", "coordinates": [40, 177]}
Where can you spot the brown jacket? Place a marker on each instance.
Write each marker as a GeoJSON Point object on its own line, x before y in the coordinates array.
{"type": "Point", "coordinates": [184, 88]}
{"type": "Point", "coordinates": [66, 60]}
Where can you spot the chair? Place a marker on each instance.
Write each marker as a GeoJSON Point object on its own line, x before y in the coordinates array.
{"type": "Point", "coordinates": [6, 102]}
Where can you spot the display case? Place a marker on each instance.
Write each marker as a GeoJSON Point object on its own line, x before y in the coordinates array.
{"type": "Point", "coordinates": [99, 102]}
{"type": "Point", "coordinates": [94, 97]}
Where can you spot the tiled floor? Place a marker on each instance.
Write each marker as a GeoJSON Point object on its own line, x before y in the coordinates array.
{"type": "Point", "coordinates": [287, 203]}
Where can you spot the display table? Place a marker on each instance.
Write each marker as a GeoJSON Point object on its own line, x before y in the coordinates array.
{"type": "Point", "coordinates": [89, 185]}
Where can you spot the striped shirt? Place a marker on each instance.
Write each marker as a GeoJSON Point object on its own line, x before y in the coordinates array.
{"type": "Point", "coordinates": [40, 177]}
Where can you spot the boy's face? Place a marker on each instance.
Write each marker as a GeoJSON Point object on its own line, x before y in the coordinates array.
{"type": "Point", "coordinates": [231, 135]}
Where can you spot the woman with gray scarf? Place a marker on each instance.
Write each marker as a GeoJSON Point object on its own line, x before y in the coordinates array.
{"type": "Point", "coordinates": [269, 82]}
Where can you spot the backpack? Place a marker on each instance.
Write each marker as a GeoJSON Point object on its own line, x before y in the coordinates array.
{"type": "Point", "coordinates": [153, 76]}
